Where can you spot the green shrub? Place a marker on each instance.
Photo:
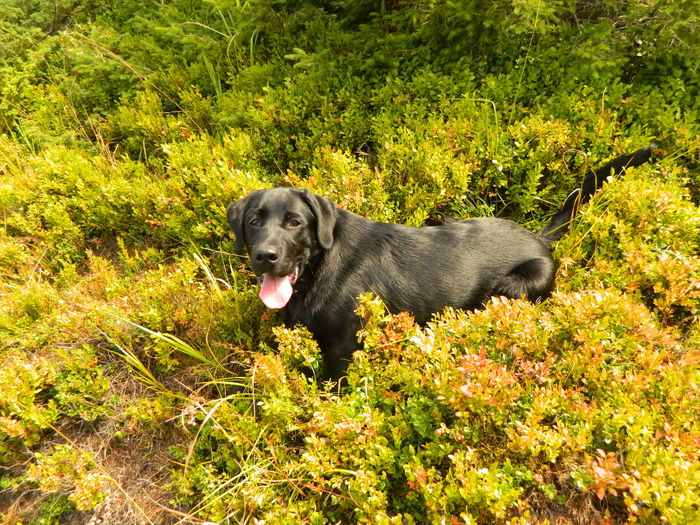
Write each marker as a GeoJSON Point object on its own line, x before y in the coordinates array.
{"type": "Point", "coordinates": [128, 127]}
{"type": "Point", "coordinates": [640, 234]}
{"type": "Point", "coordinates": [464, 418]}
{"type": "Point", "coordinates": [81, 385]}
{"type": "Point", "coordinates": [23, 417]}
{"type": "Point", "coordinates": [69, 471]}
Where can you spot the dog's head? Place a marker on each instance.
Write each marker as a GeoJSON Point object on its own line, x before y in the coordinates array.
{"type": "Point", "coordinates": [282, 229]}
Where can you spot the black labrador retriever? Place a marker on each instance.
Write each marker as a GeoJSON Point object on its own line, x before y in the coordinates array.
{"type": "Point", "coordinates": [313, 260]}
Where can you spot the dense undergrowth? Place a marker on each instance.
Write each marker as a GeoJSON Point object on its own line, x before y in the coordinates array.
{"type": "Point", "coordinates": [127, 321]}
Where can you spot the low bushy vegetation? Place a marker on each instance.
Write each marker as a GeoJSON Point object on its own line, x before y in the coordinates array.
{"type": "Point", "coordinates": [141, 379]}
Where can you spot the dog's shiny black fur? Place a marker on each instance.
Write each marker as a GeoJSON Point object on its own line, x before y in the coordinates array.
{"type": "Point", "coordinates": [339, 255]}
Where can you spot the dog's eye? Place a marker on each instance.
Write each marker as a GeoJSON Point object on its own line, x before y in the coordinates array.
{"type": "Point", "coordinates": [254, 221]}
{"type": "Point", "coordinates": [295, 222]}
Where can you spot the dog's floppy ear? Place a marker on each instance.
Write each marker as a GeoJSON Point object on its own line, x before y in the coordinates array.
{"type": "Point", "coordinates": [325, 212]}
{"type": "Point", "coordinates": [235, 213]}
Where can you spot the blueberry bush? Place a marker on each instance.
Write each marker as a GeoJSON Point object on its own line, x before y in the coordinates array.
{"type": "Point", "coordinates": [143, 382]}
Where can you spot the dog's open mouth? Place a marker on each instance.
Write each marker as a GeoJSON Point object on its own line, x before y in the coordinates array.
{"type": "Point", "coordinates": [277, 290]}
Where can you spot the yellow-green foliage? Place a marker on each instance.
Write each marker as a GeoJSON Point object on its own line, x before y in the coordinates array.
{"type": "Point", "coordinates": [66, 469]}
{"type": "Point", "coordinates": [23, 416]}
{"type": "Point", "coordinates": [140, 375]}
{"type": "Point", "coordinates": [641, 236]}
{"type": "Point", "coordinates": [469, 415]}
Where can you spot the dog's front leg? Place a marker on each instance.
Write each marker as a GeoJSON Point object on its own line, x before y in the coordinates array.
{"type": "Point", "coordinates": [337, 347]}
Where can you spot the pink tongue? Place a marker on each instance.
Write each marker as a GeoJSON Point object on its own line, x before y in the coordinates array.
{"type": "Point", "coordinates": [276, 291]}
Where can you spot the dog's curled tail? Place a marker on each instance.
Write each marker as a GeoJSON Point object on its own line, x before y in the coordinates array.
{"type": "Point", "coordinates": [559, 224]}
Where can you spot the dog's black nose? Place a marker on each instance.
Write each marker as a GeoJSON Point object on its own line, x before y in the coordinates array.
{"type": "Point", "coordinates": [266, 256]}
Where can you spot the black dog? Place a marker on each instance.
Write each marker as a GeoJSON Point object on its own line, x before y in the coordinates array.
{"type": "Point", "coordinates": [314, 260]}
